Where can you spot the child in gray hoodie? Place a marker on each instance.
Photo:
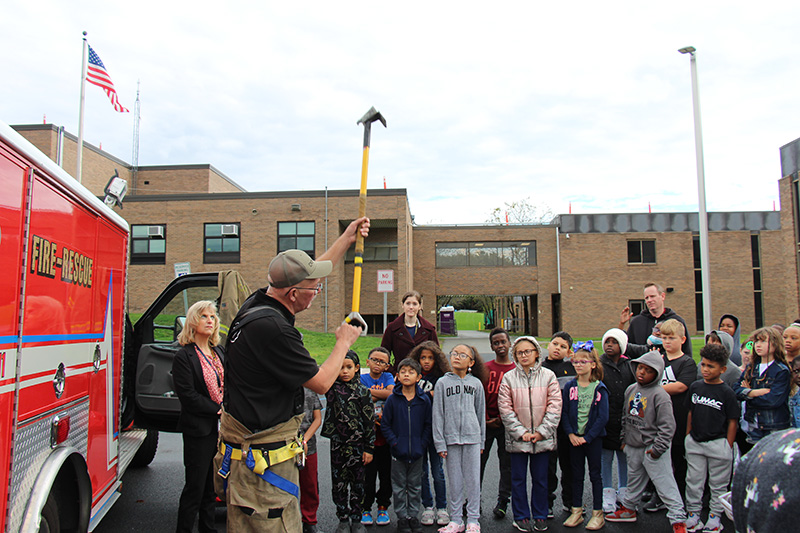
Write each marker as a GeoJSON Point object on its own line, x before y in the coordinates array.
{"type": "Point", "coordinates": [648, 426]}
{"type": "Point", "coordinates": [459, 433]}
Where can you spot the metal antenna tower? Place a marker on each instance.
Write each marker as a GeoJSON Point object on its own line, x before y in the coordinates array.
{"type": "Point", "coordinates": [135, 156]}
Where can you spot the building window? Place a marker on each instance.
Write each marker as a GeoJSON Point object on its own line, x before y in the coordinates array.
{"type": "Point", "coordinates": [758, 294]}
{"type": "Point", "coordinates": [375, 251]}
{"type": "Point", "coordinates": [493, 254]}
{"type": "Point", "coordinates": [148, 244]}
{"type": "Point", "coordinates": [698, 284]}
{"type": "Point", "coordinates": [296, 235]}
{"type": "Point", "coordinates": [222, 242]}
{"type": "Point", "coordinates": [641, 252]}
{"type": "Point", "coordinates": [636, 307]}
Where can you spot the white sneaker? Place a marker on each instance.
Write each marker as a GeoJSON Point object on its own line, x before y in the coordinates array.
{"type": "Point", "coordinates": [621, 494]}
{"type": "Point", "coordinates": [693, 522]}
{"type": "Point", "coordinates": [442, 517]}
{"type": "Point", "coordinates": [428, 517]}
{"type": "Point", "coordinates": [713, 525]}
{"type": "Point", "coordinates": [609, 500]}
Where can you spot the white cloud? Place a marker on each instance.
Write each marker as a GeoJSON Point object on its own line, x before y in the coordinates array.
{"type": "Point", "coordinates": [584, 103]}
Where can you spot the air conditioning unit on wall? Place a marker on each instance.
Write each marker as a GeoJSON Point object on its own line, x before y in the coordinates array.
{"type": "Point", "coordinates": [156, 232]}
{"type": "Point", "coordinates": [230, 230]}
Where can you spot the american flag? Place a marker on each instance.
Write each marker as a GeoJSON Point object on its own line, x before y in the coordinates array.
{"type": "Point", "coordinates": [97, 75]}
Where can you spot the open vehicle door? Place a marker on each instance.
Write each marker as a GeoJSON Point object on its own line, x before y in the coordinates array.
{"type": "Point", "coordinates": [155, 343]}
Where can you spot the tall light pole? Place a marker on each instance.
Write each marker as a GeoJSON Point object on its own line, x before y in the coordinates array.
{"type": "Point", "coordinates": [701, 193]}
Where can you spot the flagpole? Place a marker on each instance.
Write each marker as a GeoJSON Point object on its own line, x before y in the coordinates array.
{"type": "Point", "coordinates": [80, 114]}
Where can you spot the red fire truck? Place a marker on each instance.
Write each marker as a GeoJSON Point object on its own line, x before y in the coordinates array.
{"type": "Point", "coordinates": [66, 385]}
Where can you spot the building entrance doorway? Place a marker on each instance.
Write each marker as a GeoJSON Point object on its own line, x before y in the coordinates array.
{"type": "Point", "coordinates": [519, 314]}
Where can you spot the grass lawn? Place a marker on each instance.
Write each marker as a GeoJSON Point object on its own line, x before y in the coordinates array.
{"type": "Point", "coordinates": [320, 345]}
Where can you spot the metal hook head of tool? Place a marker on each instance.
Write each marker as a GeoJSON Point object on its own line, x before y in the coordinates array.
{"type": "Point", "coordinates": [371, 116]}
{"type": "Point", "coordinates": [355, 319]}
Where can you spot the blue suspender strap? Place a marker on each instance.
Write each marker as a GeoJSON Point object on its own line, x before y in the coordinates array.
{"type": "Point", "coordinates": [280, 482]}
{"type": "Point", "coordinates": [225, 467]}
{"type": "Point", "coordinates": [272, 478]}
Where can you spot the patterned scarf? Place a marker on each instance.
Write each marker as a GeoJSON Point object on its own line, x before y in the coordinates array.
{"type": "Point", "coordinates": [212, 373]}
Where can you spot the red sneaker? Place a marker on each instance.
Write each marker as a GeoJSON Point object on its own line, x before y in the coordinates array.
{"type": "Point", "coordinates": [623, 514]}
{"type": "Point", "coordinates": [679, 527]}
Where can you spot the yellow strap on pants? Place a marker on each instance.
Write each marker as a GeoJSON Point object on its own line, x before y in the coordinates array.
{"type": "Point", "coordinates": [265, 459]}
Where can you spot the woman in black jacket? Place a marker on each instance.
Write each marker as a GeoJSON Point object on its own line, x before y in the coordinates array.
{"type": "Point", "coordinates": [197, 373]}
{"type": "Point", "coordinates": [408, 330]}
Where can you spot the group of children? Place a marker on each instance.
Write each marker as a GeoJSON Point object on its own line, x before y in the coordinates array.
{"type": "Point", "coordinates": [642, 405]}
{"type": "Point", "coordinates": [393, 429]}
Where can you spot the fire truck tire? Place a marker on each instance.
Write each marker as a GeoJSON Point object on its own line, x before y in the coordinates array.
{"type": "Point", "coordinates": [50, 522]}
{"type": "Point", "coordinates": [147, 451]}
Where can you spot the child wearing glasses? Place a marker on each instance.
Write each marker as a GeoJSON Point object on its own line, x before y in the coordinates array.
{"type": "Point", "coordinates": [380, 384]}
{"type": "Point", "coordinates": [529, 402]}
{"type": "Point", "coordinates": [584, 416]}
{"type": "Point", "coordinates": [459, 431]}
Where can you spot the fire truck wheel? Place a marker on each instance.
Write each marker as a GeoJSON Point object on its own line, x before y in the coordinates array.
{"type": "Point", "coordinates": [147, 451]}
{"type": "Point", "coordinates": [50, 522]}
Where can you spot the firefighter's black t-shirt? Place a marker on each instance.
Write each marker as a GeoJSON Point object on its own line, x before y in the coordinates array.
{"type": "Point", "coordinates": [265, 367]}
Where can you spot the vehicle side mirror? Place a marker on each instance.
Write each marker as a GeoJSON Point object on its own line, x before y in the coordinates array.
{"type": "Point", "coordinates": [180, 322]}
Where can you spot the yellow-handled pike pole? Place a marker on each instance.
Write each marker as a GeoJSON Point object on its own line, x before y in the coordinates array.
{"type": "Point", "coordinates": [371, 116]}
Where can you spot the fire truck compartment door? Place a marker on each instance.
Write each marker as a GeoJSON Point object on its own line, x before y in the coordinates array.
{"type": "Point", "coordinates": [155, 392]}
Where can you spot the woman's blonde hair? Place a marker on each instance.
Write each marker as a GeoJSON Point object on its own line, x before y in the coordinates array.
{"type": "Point", "coordinates": [186, 336]}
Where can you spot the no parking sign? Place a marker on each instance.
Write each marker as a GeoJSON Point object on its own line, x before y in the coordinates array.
{"type": "Point", "coordinates": [385, 280]}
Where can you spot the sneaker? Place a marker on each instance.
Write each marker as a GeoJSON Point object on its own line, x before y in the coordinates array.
{"type": "Point", "coordinates": [622, 514]}
{"type": "Point", "coordinates": [550, 513]}
{"type": "Point", "coordinates": [499, 510]}
{"type": "Point", "coordinates": [414, 525]}
{"type": "Point", "coordinates": [621, 494]}
{"type": "Point", "coordinates": [309, 528]}
{"type": "Point", "coordinates": [442, 517]}
{"type": "Point", "coordinates": [693, 522]}
{"type": "Point", "coordinates": [357, 527]}
{"type": "Point", "coordinates": [403, 525]}
{"type": "Point", "coordinates": [679, 527]}
{"type": "Point", "coordinates": [428, 517]}
{"type": "Point", "coordinates": [609, 500]}
{"type": "Point", "coordinates": [523, 525]}
{"type": "Point", "coordinates": [473, 527]}
{"type": "Point", "coordinates": [654, 505]}
{"type": "Point", "coordinates": [366, 518]}
{"type": "Point", "coordinates": [540, 524]}
{"type": "Point", "coordinates": [344, 526]}
{"type": "Point", "coordinates": [452, 527]}
{"type": "Point", "coordinates": [383, 517]}
{"type": "Point", "coordinates": [713, 525]}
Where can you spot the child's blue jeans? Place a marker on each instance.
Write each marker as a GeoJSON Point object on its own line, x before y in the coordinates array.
{"type": "Point", "coordinates": [608, 469]}
{"type": "Point", "coordinates": [437, 472]}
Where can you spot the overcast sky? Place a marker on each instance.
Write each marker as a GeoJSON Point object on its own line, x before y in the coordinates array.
{"type": "Point", "coordinates": [582, 103]}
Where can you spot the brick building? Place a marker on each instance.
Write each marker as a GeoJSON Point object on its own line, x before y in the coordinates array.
{"type": "Point", "coordinates": [575, 273]}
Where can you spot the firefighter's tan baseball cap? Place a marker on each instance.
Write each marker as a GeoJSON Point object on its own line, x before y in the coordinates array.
{"type": "Point", "coordinates": [293, 266]}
